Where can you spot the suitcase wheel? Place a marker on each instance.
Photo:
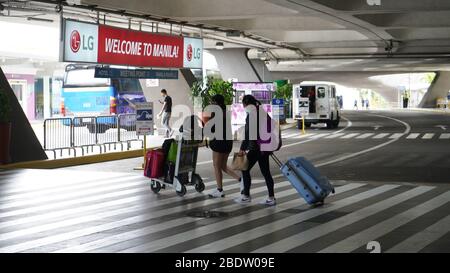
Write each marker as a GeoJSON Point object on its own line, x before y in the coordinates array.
{"type": "Point", "coordinates": [155, 186]}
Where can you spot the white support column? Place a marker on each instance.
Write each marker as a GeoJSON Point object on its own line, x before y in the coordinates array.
{"type": "Point", "coordinates": [47, 98]}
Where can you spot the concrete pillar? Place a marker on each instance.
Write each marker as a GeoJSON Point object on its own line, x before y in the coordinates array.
{"type": "Point", "coordinates": [235, 64]}
{"type": "Point", "coordinates": [438, 89]}
{"type": "Point", "coordinates": [47, 98]}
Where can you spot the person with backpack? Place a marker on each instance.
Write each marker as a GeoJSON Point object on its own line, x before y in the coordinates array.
{"type": "Point", "coordinates": [252, 148]}
{"type": "Point", "coordinates": [221, 149]}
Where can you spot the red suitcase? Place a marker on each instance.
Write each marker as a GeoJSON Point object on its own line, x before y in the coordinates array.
{"type": "Point", "coordinates": [154, 164]}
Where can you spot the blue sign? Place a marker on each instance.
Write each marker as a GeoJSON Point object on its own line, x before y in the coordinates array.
{"type": "Point", "coordinates": [144, 115]}
{"type": "Point", "coordinates": [278, 109]}
{"type": "Point", "coordinates": [105, 72]}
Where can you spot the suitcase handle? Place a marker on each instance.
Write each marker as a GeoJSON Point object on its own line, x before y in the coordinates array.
{"type": "Point", "coordinates": [277, 161]}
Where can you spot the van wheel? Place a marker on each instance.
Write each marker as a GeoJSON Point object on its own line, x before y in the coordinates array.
{"type": "Point", "coordinates": [329, 124]}
{"type": "Point", "coordinates": [336, 122]}
{"type": "Point", "coordinates": [308, 124]}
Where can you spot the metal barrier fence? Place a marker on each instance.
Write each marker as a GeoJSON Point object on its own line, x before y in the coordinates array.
{"type": "Point", "coordinates": [84, 133]}
{"type": "Point", "coordinates": [89, 132]}
{"type": "Point", "coordinates": [58, 135]}
{"type": "Point", "coordinates": [127, 129]}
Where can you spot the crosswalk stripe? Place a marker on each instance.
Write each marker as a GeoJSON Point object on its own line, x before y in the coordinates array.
{"type": "Point", "coordinates": [423, 238]}
{"type": "Point", "coordinates": [104, 242]}
{"type": "Point", "coordinates": [381, 135]}
{"type": "Point", "coordinates": [319, 136]}
{"type": "Point", "coordinates": [24, 182]}
{"type": "Point", "coordinates": [107, 213]}
{"type": "Point", "coordinates": [98, 203]}
{"type": "Point", "coordinates": [350, 135]}
{"type": "Point", "coordinates": [178, 238]}
{"type": "Point", "coordinates": [353, 242]}
{"type": "Point", "coordinates": [363, 136]}
{"type": "Point", "coordinates": [37, 199]}
{"type": "Point", "coordinates": [396, 135]}
{"type": "Point", "coordinates": [68, 189]}
{"type": "Point", "coordinates": [428, 136]}
{"type": "Point", "coordinates": [303, 136]}
{"type": "Point", "coordinates": [444, 136]}
{"type": "Point", "coordinates": [290, 135]}
{"type": "Point", "coordinates": [29, 244]}
{"type": "Point", "coordinates": [413, 136]}
{"type": "Point", "coordinates": [334, 135]}
{"type": "Point", "coordinates": [324, 229]}
{"type": "Point", "coordinates": [248, 235]}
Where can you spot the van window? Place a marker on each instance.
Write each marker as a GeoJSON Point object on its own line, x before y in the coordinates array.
{"type": "Point", "coordinates": [321, 93]}
{"type": "Point", "coordinates": [306, 91]}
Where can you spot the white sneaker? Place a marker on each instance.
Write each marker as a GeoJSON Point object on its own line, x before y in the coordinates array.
{"type": "Point", "coordinates": [216, 194]}
{"type": "Point", "coordinates": [243, 199]}
{"type": "Point", "coordinates": [270, 202]}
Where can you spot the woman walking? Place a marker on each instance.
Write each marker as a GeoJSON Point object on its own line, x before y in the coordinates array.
{"type": "Point", "coordinates": [254, 154]}
{"type": "Point", "coordinates": [221, 150]}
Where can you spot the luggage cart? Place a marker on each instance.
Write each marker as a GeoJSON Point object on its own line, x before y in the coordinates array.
{"type": "Point", "coordinates": [184, 173]}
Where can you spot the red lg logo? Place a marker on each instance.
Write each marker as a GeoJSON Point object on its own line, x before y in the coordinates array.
{"type": "Point", "coordinates": [189, 52]}
{"type": "Point", "coordinates": [75, 41]}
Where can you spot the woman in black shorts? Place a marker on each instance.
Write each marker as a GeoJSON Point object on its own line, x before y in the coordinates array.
{"type": "Point", "coordinates": [221, 150]}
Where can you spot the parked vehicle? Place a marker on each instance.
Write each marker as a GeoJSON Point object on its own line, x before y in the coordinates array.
{"type": "Point", "coordinates": [83, 95]}
{"type": "Point", "coordinates": [317, 103]}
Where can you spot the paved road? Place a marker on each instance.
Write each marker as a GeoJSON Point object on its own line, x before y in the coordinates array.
{"type": "Point", "coordinates": [389, 169]}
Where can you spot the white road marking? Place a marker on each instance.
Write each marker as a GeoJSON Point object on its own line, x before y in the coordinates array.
{"type": "Point", "coordinates": [380, 136]}
{"type": "Point", "coordinates": [413, 136]}
{"type": "Point", "coordinates": [364, 136]}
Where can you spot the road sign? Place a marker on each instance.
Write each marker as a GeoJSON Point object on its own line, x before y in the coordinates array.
{"type": "Point", "coordinates": [278, 109]}
{"type": "Point", "coordinates": [107, 72]}
{"type": "Point", "coordinates": [303, 106]}
{"type": "Point", "coordinates": [144, 118]}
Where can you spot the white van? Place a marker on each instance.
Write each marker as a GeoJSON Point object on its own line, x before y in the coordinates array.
{"type": "Point", "coordinates": [317, 102]}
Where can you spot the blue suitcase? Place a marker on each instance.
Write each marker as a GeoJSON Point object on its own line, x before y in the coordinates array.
{"type": "Point", "coordinates": [306, 179]}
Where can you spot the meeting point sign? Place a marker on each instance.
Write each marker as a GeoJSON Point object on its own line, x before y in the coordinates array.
{"type": "Point", "coordinates": [93, 43]}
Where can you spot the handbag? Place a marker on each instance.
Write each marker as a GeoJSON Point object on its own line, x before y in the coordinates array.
{"type": "Point", "coordinates": [240, 162]}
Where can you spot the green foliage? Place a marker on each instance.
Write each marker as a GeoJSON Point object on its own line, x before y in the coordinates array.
{"type": "Point", "coordinates": [5, 108]}
{"type": "Point", "coordinates": [205, 92]}
{"type": "Point", "coordinates": [221, 87]}
{"type": "Point", "coordinates": [284, 92]}
{"type": "Point", "coordinates": [429, 77]}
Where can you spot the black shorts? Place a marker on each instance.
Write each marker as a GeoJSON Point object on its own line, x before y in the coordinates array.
{"type": "Point", "coordinates": [221, 146]}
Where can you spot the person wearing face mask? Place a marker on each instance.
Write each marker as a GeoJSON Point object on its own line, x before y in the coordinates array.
{"type": "Point", "coordinates": [221, 150]}
{"type": "Point", "coordinates": [251, 147]}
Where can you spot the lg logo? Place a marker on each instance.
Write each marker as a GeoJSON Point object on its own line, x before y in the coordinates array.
{"type": "Point", "coordinates": [374, 2]}
{"type": "Point", "coordinates": [193, 53]}
{"type": "Point", "coordinates": [189, 52]}
{"type": "Point", "coordinates": [77, 41]}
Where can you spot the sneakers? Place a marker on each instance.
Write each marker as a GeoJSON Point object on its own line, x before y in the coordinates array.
{"type": "Point", "coordinates": [217, 194]}
{"type": "Point", "coordinates": [270, 201]}
{"type": "Point", "coordinates": [243, 199]}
